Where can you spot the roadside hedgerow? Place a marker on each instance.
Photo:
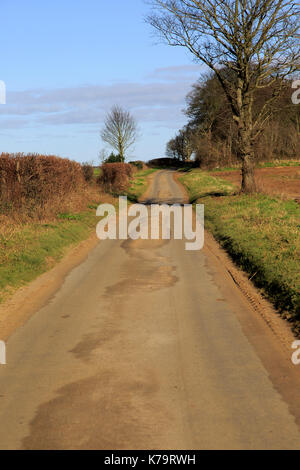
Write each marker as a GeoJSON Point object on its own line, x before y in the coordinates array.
{"type": "Point", "coordinates": [88, 172]}
{"type": "Point", "coordinates": [115, 177]}
{"type": "Point", "coordinates": [28, 181]}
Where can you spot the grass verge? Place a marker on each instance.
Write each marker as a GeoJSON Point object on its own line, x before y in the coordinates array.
{"type": "Point", "coordinates": [139, 184]}
{"type": "Point", "coordinates": [260, 233]}
{"type": "Point", "coordinates": [28, 250]}
{"type": "Point", "coordinates": [201, 184]}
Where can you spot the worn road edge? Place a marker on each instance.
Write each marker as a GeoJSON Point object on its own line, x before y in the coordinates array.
{"type": "Point", "coordinates": [252, 295]}
{"type": "Point", "coordinates": [15, 311]}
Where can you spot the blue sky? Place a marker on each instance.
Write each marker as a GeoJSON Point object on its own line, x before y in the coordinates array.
{"type": "Point", "coordinates": [66, 62]}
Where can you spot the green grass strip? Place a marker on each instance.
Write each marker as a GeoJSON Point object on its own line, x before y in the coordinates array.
{"type": "Point", "coordinates": [34, 248]}
{"type": "Point", "coordinates": [260, 233]}
{"type": "Point", "coordinates": [138, 184]}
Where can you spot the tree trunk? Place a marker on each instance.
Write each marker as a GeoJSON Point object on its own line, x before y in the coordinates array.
{"type": "Point", "coordinates": [245, 143]}
{"type": "Point", "coordinates": [246, 154]}
{"type": "Point", "coordinates": [248, 178]}
{"type": "Point", "coordinates": [121, 151]}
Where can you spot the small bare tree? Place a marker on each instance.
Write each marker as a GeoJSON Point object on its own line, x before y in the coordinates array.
{"type": "Point", "coordinates": [120, 130]}
{"type": "Point", "coordinates": [181, 146]}
{"type": "Point", "coordinates": [249, 44]}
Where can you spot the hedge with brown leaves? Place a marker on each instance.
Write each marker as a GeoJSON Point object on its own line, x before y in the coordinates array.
{"type": "Point", "coordinates": [27, 181]}
{"type": "Point", "coordinates": [115, 177]}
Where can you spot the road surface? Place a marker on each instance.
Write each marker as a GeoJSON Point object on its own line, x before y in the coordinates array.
{"type": "Point", "coordinates": [147, 346]}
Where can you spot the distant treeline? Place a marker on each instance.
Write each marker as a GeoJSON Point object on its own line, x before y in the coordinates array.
{"type": "Point", "coordinates": [211, 135]}
{"type": "Point", "coordinates": [168, 162]}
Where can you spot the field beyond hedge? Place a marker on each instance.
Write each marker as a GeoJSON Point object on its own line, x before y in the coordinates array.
{"type": "Point", "coordinates": [279, 181]}
{"type": "Point", "coordinates": [261, 233]}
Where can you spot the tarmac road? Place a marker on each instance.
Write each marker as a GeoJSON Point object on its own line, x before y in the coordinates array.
{"type": "Point", "coordinates": [147, 346]}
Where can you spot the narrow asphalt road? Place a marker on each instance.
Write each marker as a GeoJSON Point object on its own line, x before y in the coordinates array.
{"type": "Point", "coordinates": [146, 346]}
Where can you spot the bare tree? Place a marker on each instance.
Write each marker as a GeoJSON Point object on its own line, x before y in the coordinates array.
{"type": "Point", "coordinates": [181, 146]}
{"type": "Point", "coordinates": [103, 155]}
{"type": "Point", "coordinates": [171, 149]}
{"type": "Point", "coordinates": [120, 130]}
{"type": "Point", "coordinates": [249, 44]}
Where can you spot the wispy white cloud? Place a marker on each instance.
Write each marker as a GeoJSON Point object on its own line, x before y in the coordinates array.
{"type": "Point", "coordinates": [160, 99]}
{"type": "Point", "coordinates": [178, 72]}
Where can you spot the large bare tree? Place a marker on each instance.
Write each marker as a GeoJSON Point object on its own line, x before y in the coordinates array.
{"type": "Point", "coordinates": [249, 44]}
{"type": "Point", "coordinates": [120, 130]}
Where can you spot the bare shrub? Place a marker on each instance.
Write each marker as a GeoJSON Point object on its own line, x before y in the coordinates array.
{"type": "Point", "coordinates": [31, 183]}
{"type": "Point", "coordinates": [139, 165]}
{"type": "Point", "coordinates": [88, 172]}
{"type": "Point", "coordinates": [115, 177]}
